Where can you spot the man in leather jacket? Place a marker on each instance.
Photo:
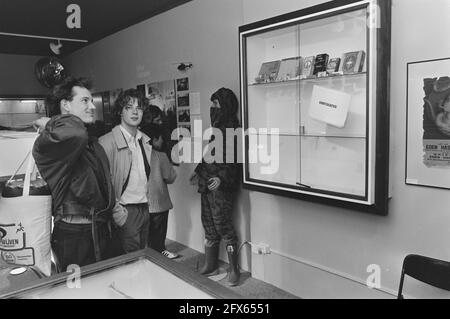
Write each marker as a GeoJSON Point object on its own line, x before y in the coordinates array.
{"type": "Point", "coordinates": [76, 169]}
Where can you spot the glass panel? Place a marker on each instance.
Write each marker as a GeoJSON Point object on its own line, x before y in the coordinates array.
{"type": "Point", "coordinates": [281, 164]}
{"type": "Point", "coordinates": [333, 116]}
{"type": "Point", "coordinates": [273, 93]}
{"type": "Point", "coordinates": [334, 164]}
{"type": "Point", "coordinates": [138, 280]}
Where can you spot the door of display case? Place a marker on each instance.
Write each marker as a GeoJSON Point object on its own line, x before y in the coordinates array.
{"type": "Point", "coordinates": [314, 90]}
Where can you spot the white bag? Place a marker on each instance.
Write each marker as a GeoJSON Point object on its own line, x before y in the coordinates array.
{"type": "Point", "coordinates": [25, 227]}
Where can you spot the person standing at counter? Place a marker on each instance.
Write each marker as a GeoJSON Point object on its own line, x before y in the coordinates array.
{"type": "Point", "coordinates": [129, 153]}
{"type": "Point", "coordinates": [217, 182]}
{"type": "Point", "coordinates": [76, 169]}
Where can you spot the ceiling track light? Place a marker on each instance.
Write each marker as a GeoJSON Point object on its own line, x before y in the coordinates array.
{"type": "Point", "coordinates": [56, 47]}
{"type": "Point", "coordinates": [21, 35]}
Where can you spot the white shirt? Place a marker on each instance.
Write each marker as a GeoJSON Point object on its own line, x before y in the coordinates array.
{"type": "Point", "coordinates": [136, 190]}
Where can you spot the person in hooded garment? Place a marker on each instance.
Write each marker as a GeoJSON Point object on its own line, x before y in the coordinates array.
{"type": "Point", "coordinates": [218, 181]}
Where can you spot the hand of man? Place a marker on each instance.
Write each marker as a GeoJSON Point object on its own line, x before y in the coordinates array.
{"type": "Point", "coordinates": [119, 214]}
{"type": "Point", "coordinates": [39, 124]}
{"type": "Point", "coordinates": [214, 183]}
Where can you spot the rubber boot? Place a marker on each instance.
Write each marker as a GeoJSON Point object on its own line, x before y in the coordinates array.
{"type": "Point", "coordinates": [211, 258]}
{"type": "Point", "coordinates": [233, 274]}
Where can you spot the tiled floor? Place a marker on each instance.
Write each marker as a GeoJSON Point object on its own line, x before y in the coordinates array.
{"type": "Point", "coordinates": [248, 287]}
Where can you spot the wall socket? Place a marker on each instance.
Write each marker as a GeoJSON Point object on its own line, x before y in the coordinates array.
{"type": "Point", "coordinates": [260, 248]}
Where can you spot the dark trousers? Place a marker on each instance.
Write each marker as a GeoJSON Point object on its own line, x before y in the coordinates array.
{"type": "Point", "coordinates": [134, 233]}
{"type": "Point", "coordinates": [73, 244]}
{"type": "Point", "coordinates": [217, 208]}
{"type": "Point", "coordinates": [158, 231]}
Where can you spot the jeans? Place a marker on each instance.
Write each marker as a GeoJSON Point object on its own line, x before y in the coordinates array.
{"type": "Point", "coordinates": [73, 244]}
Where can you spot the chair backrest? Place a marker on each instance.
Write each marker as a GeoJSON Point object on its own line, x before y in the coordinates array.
{"type": "Point", "coordinates": [432, 271]}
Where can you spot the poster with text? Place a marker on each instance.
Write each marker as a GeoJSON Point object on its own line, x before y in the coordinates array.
{"type": "Point", "coordinates": [428, 123]}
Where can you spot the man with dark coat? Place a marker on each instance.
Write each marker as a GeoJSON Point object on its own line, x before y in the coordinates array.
{"type": "Point", "coordinates": [76, 169]}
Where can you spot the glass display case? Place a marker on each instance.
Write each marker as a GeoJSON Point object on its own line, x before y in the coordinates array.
{"type": "Point", "coordinates": [144, 274]}
{"type": "Point", "coordinates": [314, 91]}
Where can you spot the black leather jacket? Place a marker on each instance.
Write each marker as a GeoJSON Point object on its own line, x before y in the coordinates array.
{"type": "Point", "coordinates": [75, 167]}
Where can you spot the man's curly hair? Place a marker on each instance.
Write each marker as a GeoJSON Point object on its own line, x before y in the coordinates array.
{"type": "Point", "coordinates": [123, 99]}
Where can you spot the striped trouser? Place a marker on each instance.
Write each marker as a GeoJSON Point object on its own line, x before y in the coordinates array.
{"type": "Point", "coordinates": [217, 208]}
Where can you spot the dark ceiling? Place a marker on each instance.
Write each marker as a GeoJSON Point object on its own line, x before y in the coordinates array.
{"type": "Point", "coordinates": [99, 18]}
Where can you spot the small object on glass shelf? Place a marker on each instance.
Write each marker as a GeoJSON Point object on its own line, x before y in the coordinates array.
{"type": "Point", "coordinates": [289, 69]}
{"type": "Point", "coordinates": [333, 65]}
{"type": "Point", "coordinates": [268, 72]}
{"type": "Point", "coordinates": [308, 67]}
{"type": "Point", "coordinates": [322, 74]}
{"type": "Point", "coordinates": [321, 63]}
{"type": "Point", "coordinates": [353, 62]}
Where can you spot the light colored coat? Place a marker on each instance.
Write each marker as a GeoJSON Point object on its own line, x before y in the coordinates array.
{"type": "Point", "coordinates": [162, 174]}
{"type": "Point", "coordinates": [120, 157]}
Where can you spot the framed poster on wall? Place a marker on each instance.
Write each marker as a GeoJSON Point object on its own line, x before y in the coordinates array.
{"type": "Point", "coordinates": [428, 123]}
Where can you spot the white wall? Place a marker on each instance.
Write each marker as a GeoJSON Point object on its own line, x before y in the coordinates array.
{"type": "Point", "coordinates": [319, 251]}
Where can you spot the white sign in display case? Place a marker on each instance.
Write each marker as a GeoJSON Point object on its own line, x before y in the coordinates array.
{"type": "Point", "coordinates": [314, 91]}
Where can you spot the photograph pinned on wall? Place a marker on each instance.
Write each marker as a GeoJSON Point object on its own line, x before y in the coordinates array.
{"type": "Point", "coordinates": [183, 99]}
{"type": "Point", "coordinates": [183, 84]}
{"type": "Point", "coordinates": [184, 115]}
{"type": "Point", "coordinates": [162, 95]}
{"type": "Point", "coordinates": [428, 123]}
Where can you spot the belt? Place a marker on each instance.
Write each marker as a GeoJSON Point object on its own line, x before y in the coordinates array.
{"type": "Point", "coordinates": [75, 213]}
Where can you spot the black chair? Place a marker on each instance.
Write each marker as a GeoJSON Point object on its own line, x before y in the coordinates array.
{"type": "Point", "coordinates": [432, 271]}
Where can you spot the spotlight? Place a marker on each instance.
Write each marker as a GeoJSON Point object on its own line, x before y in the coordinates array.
{"type": "Point", "coordinates": [56, 48]}
{"type": "Point", "coordinates": [184, 66]}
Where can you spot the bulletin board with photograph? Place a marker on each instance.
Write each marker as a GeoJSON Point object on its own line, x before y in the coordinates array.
{"type": "Point", "coordinates": [183, 103]}
{"type": "Point", "coordinates": [428, 123]}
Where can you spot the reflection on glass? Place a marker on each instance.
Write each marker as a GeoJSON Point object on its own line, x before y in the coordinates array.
{"type": "Point", "coordinates": [138, 280]}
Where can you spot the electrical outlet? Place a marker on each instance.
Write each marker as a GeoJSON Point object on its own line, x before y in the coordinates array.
{"type": "Point", "coordinates": [260, 248]}
{"type": "Point", "coordinates": [265, 249]}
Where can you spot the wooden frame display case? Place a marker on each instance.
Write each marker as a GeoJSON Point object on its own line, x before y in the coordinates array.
{"type": "Point", "coordinates": [314, 91]}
